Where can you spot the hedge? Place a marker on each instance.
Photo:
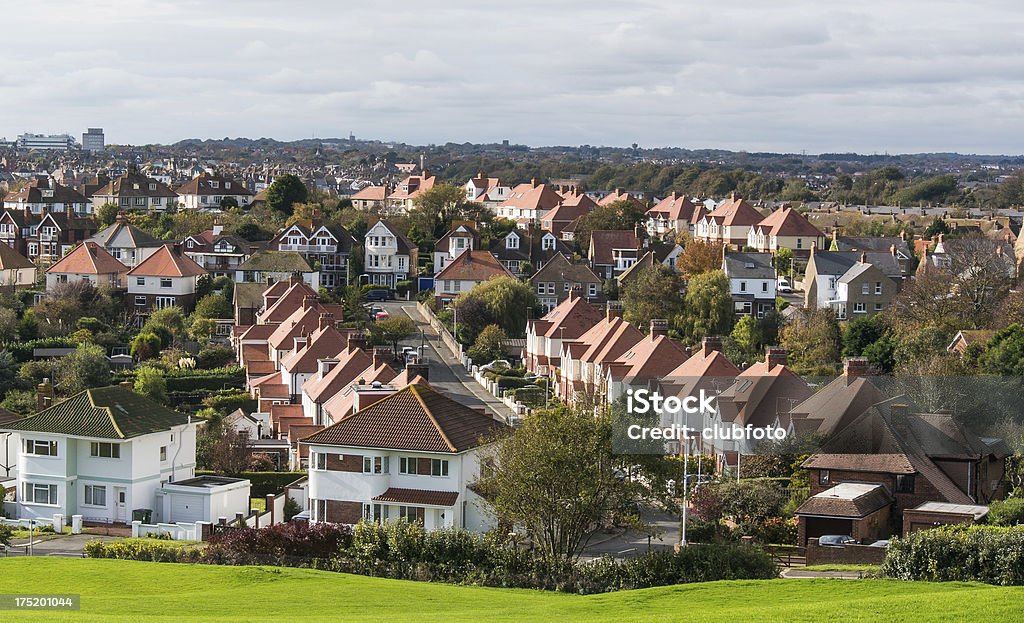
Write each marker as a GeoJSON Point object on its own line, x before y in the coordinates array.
{"type": "Point", "coordinates": [406, 551]}
{"type": "Point", "coordinates": [263, 483]}
{"type": "Point", "coordinates": [183, 380]}
{"type": "Point", "coordinates": [22, 351]}
{"type": "Point", "coordinates": [993, 555]}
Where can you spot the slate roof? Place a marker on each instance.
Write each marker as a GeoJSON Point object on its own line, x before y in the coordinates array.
{"type": "Point", "coordinates": [134, 184]}
{"type": "Point", "coordinates": [112, 412]}
{"type": "Point", "coordinates": [415, 418]}
{"type": "Point", "coordinates": [838, 262]}
{"type": "Point", "coordinates": [749, 266]}
{"type": "Point", "coordinates": [123, 234]}
{"type": "Point", "coordinates": [848, 499]}
{"type": "Point", "coordinates": [200, 185]}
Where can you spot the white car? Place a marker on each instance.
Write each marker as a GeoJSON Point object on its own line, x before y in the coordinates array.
{"type": "Point", "coordinates": [783, 285]}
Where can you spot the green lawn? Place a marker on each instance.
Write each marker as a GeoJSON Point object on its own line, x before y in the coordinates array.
{"type": "Point", "coordinates": [132, 591]}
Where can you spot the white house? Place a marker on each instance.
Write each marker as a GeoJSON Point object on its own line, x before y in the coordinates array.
{"type": "Point", "coordinates": [101, 454]}
{"type": "Point", "coordinates": [466, 272]}
{"type": "Point", "coordinates": [16, 270]}
{"type": "Point", "coordinates": [87, 262]}
{"type": "Point", "coordinates": [388, 256]}
{"type": "Point", "coordinates": [412, 455]}
{"type": "Point", "coordinates": [126, 242]}
{"type": "Point", "coordinates": [167, 278]}
{"type": "Point", "coordinates": [461, 238]}
{"type": "Point", "coordinates": [752, 282]}
{"type": "Point", "coordinates": [212, 191]}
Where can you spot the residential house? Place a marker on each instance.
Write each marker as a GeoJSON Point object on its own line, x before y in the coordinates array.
{"type": "Point", "coordinates": [559, 278]}
{"type": "Point", "coordinates": [612, 252]}
{"type": "Point", "coordinates": [966, 338]}
{"type": "Point", "coordinates": [325, 342]}
{"type": "Point", "coordinates": [213, 191]}
{"type": "Point", "coordinates": [389, 256]}
{"type": "Point", "coordinates": [87, 262]}
{"type": "Point", "coordinates": [752, 283]}
{"type": "Point", "coordinates": [462, 237]}
{"type": "Point", "coordinates": [19, 229]}
{"type": "Point", "coordinates": [42, 195]}
{"type": "Point", "coordinates": [403, 198]}
{"type": "Point", "coordinates": [657, 254]}
{"type": "Point", "coordinates": [570, 319]}
{"type": "Point", "coordinates": [100, 454]}
{"type": "Point", "coordinates": [135, 191]}
{"type": "Point", "coordinates": [326, 248]}
{"type": "Point", "coordinates": [464, 273]}
{"type": "Point", "coordinates": [489, 191]}
{"type": "Point", "coordinates": [904, 458]}
{"type": "Point", "coordinates": [863, 291]}
{"type": "Point", "coordinates": [650, 359]}
{"type": "Point", "coordinates": [528, 202]}
{"type": "Point", "coordinates": [898, 246]}
{"type": "Point", "coordinates": [825, 268]}
{"type": "Point", "coordinates": [707, 369]}
{"type": "Point", "coordinates": [730, 223]}
{"type": "Point", "coordinates": [671, 216]}
{"type": "Point", "coordinates": [167, 278]}
{"type": "Point", "coordinates": [834, 406]}
{"type": "Point", "coordinates": [411, 456]}
{"type": "Point", "coordinates": [57, 233]}
{"type": "Point", "coordinates": [16, 271]}
{"type": "Point", "coordinates": [618, 195]}
{"type": "Point", "coordinates": [521, 251]}
{"type": "Point", "coordinates": [785, 228]}
{"type": "Point", "coordinates": [219, 253]}
{"type": "Point", "coordinates": [271, 266]}
{"type": "Point", "coordinates": [370, 197]}
{"type": "Point", "coordinates": [560, 219]}
{"type": "Point", "coordinates": [126, 242]}
{"type": "Point", "coordinates": [581, 359]}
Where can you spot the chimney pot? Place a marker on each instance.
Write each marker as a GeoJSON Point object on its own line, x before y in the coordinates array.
{"type": "Point", "coordinates": [659, 327]}
{"type": "Point", "coordinates": [711, 344]}
{"type": "Point", "coordinates": [775, 356]}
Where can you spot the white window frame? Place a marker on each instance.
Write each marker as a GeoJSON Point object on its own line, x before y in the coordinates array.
{"type": "Point", "coordinates": [90, 496]}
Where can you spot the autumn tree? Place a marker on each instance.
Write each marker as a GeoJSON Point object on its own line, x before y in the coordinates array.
{"type": "Point", "coordinates": [699, 257]}
{"type": "Point", "coordinates": [655, 292]}
{"type": "Point", "coordinates": [285, 192]}
{"type": "Point", "coordinates": [813, 340]}
{"type": "Point", "coordinates": [434, 209]}
{"type": "Point", "coordinates": [618, 215]}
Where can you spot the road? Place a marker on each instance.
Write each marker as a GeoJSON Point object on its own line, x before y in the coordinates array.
{"type": "Point", "coordinates": [71, 546]}
{"type": "Point", "coordinates": [446, 374]}
{"type": "Point", "coordinates": [665, 528]}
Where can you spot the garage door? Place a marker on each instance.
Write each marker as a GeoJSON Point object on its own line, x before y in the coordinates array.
{"type": "Point", "coordinates": [186, 508]}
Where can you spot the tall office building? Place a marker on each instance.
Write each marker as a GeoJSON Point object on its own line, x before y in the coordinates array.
{"type": "Point", "coordinates": [46, 141]}
{"type": "Point", "coordinates": [93, 140]}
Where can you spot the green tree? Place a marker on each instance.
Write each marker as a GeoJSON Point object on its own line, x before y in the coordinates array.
{"type": "Point", "coordinates": [106, 214]}
{"type": "Point", "coordinates": [654, 293]}
{"type": "Point", "coordinates": [150, 382]}
{"type": "Point", "coordinates": [392, 330]}
{"type": "Point", "coordinates": [861, 333]}
{"type": "Point", "coordinates": [508, 303]}
{"type": "Point", "coordinates": [146, 345]}
{"type": "Point", "coordinates": [813, 341]}
{"type": "Point", "coordinates": [202, 329]}
{"type": "Point", "coordinates": [86, 367]}
{"type": "Point", "coordinates": [170, 318]}
{"type": "Point", "coordinates": [286, 191]}
{"type": "Point", "coordinates": [1005, 352]}
{"type": "Point", "coordinates": [213, 306]}
{"type": "Point", "coordinates": [555, 478]}
{"type": "Point", "coordinates": [618, 215]}
{"type": "Point", "coordinates": [434, 209]}
{"type": "Point", "coordinates": [783, 261]}
{"type": "Point", "coordinates": [708, 308]}
{"type": "Point", "coordinates": [489, 345]}
{"type": "Point", "coordinates": [8, 321]}
{"type": "Point", "coordinates": [8, 371]}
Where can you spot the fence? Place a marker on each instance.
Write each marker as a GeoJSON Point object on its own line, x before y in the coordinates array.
{"type": "Point", "coordinates": [446, 336]}
{"type": "Point", "coordinates": [175, 531]}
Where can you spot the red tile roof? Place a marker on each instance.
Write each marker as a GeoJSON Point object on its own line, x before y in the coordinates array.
{"type": "Point", "coordinates": [88, 258]}
{"type": "Point", "coordinates": [736, 211]}
{"type": "Point", "coordinates": [675, 207]}
{"type": "Point", "coordinates": [473, 266]}
{"type": "Point", "coordinates": [168, 261]}
{"type": "Point", "coordinates": [787, 222]}
{"type": "Point", "coordinates": [603, 241]}
{"type": "Point", "coordinates": [418, 497]}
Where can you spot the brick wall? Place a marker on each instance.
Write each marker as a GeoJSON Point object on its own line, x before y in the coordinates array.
{"type": "Point", "coordinates": [344, 512]}
{"type": "Point", "coordinates": [845, 555]}
{"type": "Point", "coordinates": [920, 520]}
{"type": "Point", "coordinates": [345, 463]}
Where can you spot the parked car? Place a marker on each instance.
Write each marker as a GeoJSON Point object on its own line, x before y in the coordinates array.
{"type": "Point", "coordinates": [381, 315]}
{"type": "Point", "coordinates": [302, 517]}
{"type": "Point", "coordinates": [496, 365]}
{"type": "Point", "coordinates": [836, 540]}
{"type": "Point", "coordinates": [783, 285]}
{"type": "Point", "coordinates": [377, 294]}
{"type": "Point", "coordinates": [881, 543]}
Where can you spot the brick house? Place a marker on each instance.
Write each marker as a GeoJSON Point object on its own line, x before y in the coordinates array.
{"type": "Point", "coordinates": [412, 455]}
{"type": "Point", "coordinates": [464, 273]}
{"type": "Point", "coordinates": [326, 248]}
{"type": "Point", "coordinates": [167, 278]}
{"type": "Point", "coordinates": [135, 191]}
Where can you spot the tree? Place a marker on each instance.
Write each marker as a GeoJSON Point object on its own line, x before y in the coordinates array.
{"type": "Point", "coordinates": [618, 215]}
{"type": "Point", "coordinates": [253, 232]}
{"type": "Point", "coordinates": [653, 293]}
{"type": "Point", "coordinates": [229, 454]}
{"type": "Point", "coordinates": [286, 191]}
{"type": "Point", "coordinates": [555, 477]}
{"type": "Point", "coordinates": [86, 367]}
{"type": "Point", "coordinates": [708, 308]}
{"type": "Point", "coordinates": [699, 257]}
{"type": "Point", "coordinates": [1005, 352]}
{"type": "Point", "coordinates": [170, 318]}
{"type": "Point", "coordinates": [8, 371]}
{"type": "Point", "coordinates": [434, 209]}
{"type": "Point", "coordinates": [508, 303]}
{"type": "Point", "coordinates": [783, 260]}
{"type": "Point", "coordinates": [393, 329]}
{"type": "Point", "coordinates": [489, 345]}
{"type": "Point", "coordinates": [749, 338]}
{"type": "Point", "coordinates": [861, 333]}
{"type": "Point", "coordinates": [813, 341]}
{"type": "Point", "coordinates": [202, 329]}
{"type": "Point", "coordinates": [8, 321]}
{"type": "Point", "coordinates": [106, 214]}
{"type": "Point", "coordinates": [213, 306]}
{"type": "Point", "coordinates": [146, 345]}
{"type": "Point", "coordinates": [150, 382]}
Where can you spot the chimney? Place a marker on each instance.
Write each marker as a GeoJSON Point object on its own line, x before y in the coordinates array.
{"type": "Point", "coordinates": [217, 229]}
{"type": "Point", "coordinates": [308, 300]}
{"type": "Point", "coordinates": [380, 355]}
{"type": "Point", "coordinates": [121, 218]}
{"type": "Point", "coordinates": [814, 246]}
{"type": "Point", "coordinates": [863, 258]}
{"type": "Point", "coordinates": [533, 182]}
{"type": "Point", "coordinates": [357, 340]}
{"type": "Point", "coordinates": [854, 367]}
{"type": "Point", "coordinates": [326, 320]}
{"type": "Point", "coordinates": [659, 327]}
{"type": "Point", "coordinates": [325, 365]}
{"type": "Point", "coordinates": [892, 250]}
{"type": "Point", "coordinates": [298, 342]}
{"type": "Point", "coordinates": [775, 356]}
{"type": "Point", "coordinates": [44, 395]}
{"type": "Point", "coordinates": [417, 369]}
{"type": "Point", "coordinates": [899, 418]}
{"type": "Point", "coordinates": [711, 344]}
{"type": "Point", "coordinates": [614, 310]}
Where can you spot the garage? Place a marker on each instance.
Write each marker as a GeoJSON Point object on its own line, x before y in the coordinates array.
{"type": "Point", "coordinates": [186, 508]}
{"type": "Point", "coordinates": [205, 498]}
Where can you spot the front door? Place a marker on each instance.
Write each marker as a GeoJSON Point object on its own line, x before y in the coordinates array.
{"type": "Point", "coordinates": [120, 504]}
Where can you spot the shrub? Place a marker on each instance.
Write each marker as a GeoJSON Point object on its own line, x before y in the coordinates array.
{"type": "Point", "coordinates": [1009, 512]}
{"type": "Point", "coordinates": [214, 356]}
{"type": "Point", "coordinates": [287, 544]}
{"type": "Point", "coordinates": [994, 555]}
{"type": "Point", "coordinates": [512, 382]}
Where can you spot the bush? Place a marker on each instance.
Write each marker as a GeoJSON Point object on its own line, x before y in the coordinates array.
{"type": "Point", "coordinates": [512, 382]}
{"type": "Point", "coordinates": [994, 555]}
{"type": "Point", "coordinates": [285, 544]}
{"type": "Point", "coordinates": [214, 357]}
{"type": "Point", "coordinates": [264, 483]}
{"type": "Point", "coordinates": [1008, 512]}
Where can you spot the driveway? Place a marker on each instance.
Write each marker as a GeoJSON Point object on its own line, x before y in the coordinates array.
{"type": "Point", "coordinates": [72, 545]}
{"type": "Point", "coordinates": [664, 534]}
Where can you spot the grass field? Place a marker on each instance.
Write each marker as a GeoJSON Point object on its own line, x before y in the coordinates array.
{"type": "Point", "coordinates": [132, 591]}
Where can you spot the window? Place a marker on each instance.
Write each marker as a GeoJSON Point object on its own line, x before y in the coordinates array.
{"type": "Point", "coordinates": [799, 243]}
{"type": "Point", "coordinates": [865, 288]}
{"type": "Point", "coordinates": [548, 243]}
{"type": "Point", "coordinates": [320, 510]}
{"type": "Point", "coordinates": [824, 478]}
{"type": "Point", "coordinates": [764, 286]}
{"type": "Point", "coordinates": [140, 281]}
{"type": "Point", "coordinates": [375, 512]}
{"type": "Point", "coordinates": [157, 200]}
{"type": "Point", "coordinates": [40, 448]}
{"type": "Point", "coordinates": [126, 201]}
{"type": "Point", "coordinates": [40, 494]}
{"type": "Point", "coordinates": [163, 453]}
{"type": "Point", "coordinates": [859, 308]}
{"type": "Point", "coordinates": [105, 450]}
{"type": "Point", "coordinates": [165, 282]}
{"type": "Point", "coordinates": [140, 300]}
{"type": "Point", "coordinates": [512, 242]}
{"type": "Point", "coordinates": [95, 495]}
{"type": "Point", "coordinates": [878, 307]}
{"type": "Point", "coordinates": [438, 467]}
{"type": "Point", "coordinates": [375, 465]}
{"type": "Point", "coordinates": [592, 289]}
{"type": "Point", "coordinates": [412, 514]}
{"type": "Point", "coordinates": [878, 288]}
{"type": "Point", "coordinates": [164, 301]}
{"type": "Point", "coordinates": [743, 286]}
{"type": "Point", "coordinates": [140, 201]}
{"type": "Point", "coordinates": [408, 465]}
{"type": "Point", "coordinates": [904, 483]}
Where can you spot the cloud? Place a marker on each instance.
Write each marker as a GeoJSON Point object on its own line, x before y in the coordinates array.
{"type": "Point", "coordinates": [741, 74]}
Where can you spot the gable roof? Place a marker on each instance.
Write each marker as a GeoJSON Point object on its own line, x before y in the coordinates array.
{"type": "Point", "coordinates": [473, 265]}
{"type": "Point", "coordinates": [532, 196]}
{"type": "Point", "coordinates": [134, 184]}
{"type": "Point", "coordinates": [788, 222]}
{"type": "Point", "coordinates": [674, 207]}
{"type": "Point", "coordinates": [603, 241]}
{"type": "Point", "coordinates": [200, 185]}
{"type": "Point", "coordinates": [168, 261]}
{"type": "Point", "coordinates": [88, 258]}
{"type": "Point", "coordinates": [847, 499]}
{"type": "Point", "coordinates": [736, 211]}
{"type": "Point", "coordinates": [276, 262]}
{"type": "Point", "coordinates": [415, 418]}
{"type": "Point", "coordinates": [11, 259]}
{"type": "Point", "coordinates": [838, 262]}
{"type": "Point", "coordinates": [123, 234]}
{"type": "Point", "coordinates": [749, 266]}
{"type": "Point", "coordinates": [112, 412]}
{"type": "Point", "coordinates": [559, 268]}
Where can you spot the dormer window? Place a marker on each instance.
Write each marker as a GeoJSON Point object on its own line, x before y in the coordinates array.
{"type": "Point", "coordinates": [512, 242]}
{"type": "Point", "coordinates": [548, 243]}
{"type": "Point", "coordinates": [152, 186]}
{"type": "Point", "coordinates": [214, 184]}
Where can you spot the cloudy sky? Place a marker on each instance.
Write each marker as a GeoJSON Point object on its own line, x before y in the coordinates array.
{"type": "Point", "coordinates": [871, 76]}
